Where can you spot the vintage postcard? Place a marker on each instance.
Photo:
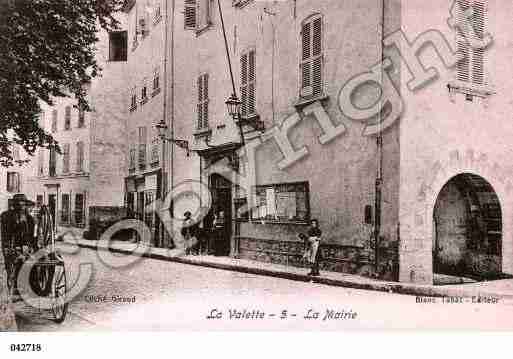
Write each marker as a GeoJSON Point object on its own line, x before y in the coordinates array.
{"type": "Point", "coordinates": [252, 165]}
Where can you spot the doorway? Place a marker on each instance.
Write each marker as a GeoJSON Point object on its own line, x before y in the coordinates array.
{"type": "Point", "coordinates": [467, 226]}
{"type": "Point", "coordinates": [221, 190]}
{"type": "Point", "coordinates": [52, 205]}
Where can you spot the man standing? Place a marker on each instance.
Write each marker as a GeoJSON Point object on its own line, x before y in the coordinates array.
{"type": "Point", "coordinates": [190, 233]}
{"type": "Point", "coordinates": [17, 234]}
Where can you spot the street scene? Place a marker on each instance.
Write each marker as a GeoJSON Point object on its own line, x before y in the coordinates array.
{"type": "Point", "coordinates": [255, 165]}
{"type": "Point", "coordinates": [163, 296]}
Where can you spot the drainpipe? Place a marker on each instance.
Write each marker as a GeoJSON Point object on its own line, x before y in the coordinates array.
{"type": "Point", "coordinates": [379, 148]}
{"type": "Point", "coordinates": [165, 169]}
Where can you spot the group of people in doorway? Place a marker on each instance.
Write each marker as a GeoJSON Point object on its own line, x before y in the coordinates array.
{"type": "Point", "coordinates": [202, 241]}
{"type": "Point", "coordinates": [199, 241]}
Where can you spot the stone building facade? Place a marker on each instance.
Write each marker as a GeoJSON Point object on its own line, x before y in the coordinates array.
{"type": "Point", "coordinates": [62, 181]}
{"type": "Point", "coordinates": [144, 93]}
{"type": "Point", "coordinates": [456, 195]}
{"type": "Point", "coordinates": [92, 143]}
{"type": "Point", "coordinates": [303, 158]}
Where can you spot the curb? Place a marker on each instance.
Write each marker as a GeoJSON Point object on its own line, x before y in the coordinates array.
{"type": "Point", "coordinates": [396, 288]}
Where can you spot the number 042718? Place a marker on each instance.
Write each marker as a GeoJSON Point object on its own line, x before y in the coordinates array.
{"type": "Point", "coordinates": [26, 347]}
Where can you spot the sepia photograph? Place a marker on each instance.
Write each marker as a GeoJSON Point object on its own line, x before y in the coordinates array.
{"type": "Point", "coordinates": [255, 166]}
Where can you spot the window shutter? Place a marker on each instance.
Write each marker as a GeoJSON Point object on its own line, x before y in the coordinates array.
{"type": "Point", "coordinates": [205, 101]}
{"type": "Point", "coordinates": [65, 164]}
{"type": "Point", "coordinates": [80, 156]}
{"type": "Point", "coordinates": [471, 67]}
{"type": "Point", "coordinates": [478, 22]}
{"type": "Point", "coordinates": [317, 57]}
{"type": "Point", "coordinates": [202, 13]}
{"type": "Point", "coordinates": [67, 118]}
{"type": "Point", "coordinates": [190, 14]}
{"type": "Point", "coordinates": [306, 55]}
{"type": "Point", "coordinates": [311, 57]}
{"type": "Point", "coordinates": [244, 82]}
{"type": "Point", "coordinates": [251, 83]}
{"type": "Point", "coordinates": [199, 109]}
{"type": "Point", "coordinates": [54, 121]}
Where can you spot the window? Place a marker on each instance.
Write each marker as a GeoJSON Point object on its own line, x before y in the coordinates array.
{"type": "Point", "coordinates": [156, 80]}
{"type": "Point", "coordinates": [240, 3]}
{"type": "Point", "coordinates": [40, 163]}
{"type": "Point", "coordinates": [471, 67]}
{"type": "Point", "coordinates": [81, 117]}
{"type": "Point", "coordinates": [16, 153]}
{"type": "Point", "coordinates": [118, 45]}
{"type": "Point", "coordinates": [54, 121]}
{"type": "Point", "coordinates": [149, 198]}
{"type": "Point", "coordinates": [65, 158]}
{"type": "Point", "coordinates": [80, 156]}
{"type": "Point", "coordinates": [248, 85]}
{"type": "Point", "coordinates": [65, 208]}
{"type": "Point", "coordinates": [39, 200]}
{"type": "Point", "coordinates": [142, 148]}
{"type": "Point", "coordinates": [157, 12]}
{"type": "Point", "coordinates": [144, 93]}
{"type": "Point", "coordinates": [133, 99]}
{"type": "Point", "coordinates": [311, 57]}
{"type": "Point", "coordinates": [67, 118]}
{"type": "Point", "coordinates": [52, 162]}
{"type": "Point", "coordinates": [202, 14]}
{"type": "Point", "coordinates": [132, 155]}
{"type": "Point", "coordinates": [190, 14]}
{"type": "Point", "coordinates": [13, 182]}
{"type": "Point", "coordinates": [288, 202]}
{"type": "Point", "coordinates": [202, 107]}
{"type": "Point", "coordinates": [79, 211]}
{"type": "Point", "coordinates": [154, 159]}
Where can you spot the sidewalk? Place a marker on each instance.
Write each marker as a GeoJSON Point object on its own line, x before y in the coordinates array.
{"type": "Point", "coordinates": [498, 289]}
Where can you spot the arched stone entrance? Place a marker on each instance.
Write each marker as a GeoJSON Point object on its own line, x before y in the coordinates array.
{"type": "Point", "coordinates": [467, 229]}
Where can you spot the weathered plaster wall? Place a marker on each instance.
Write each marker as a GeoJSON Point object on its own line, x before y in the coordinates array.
{"type": "Point", "coordinates": [441, 138]}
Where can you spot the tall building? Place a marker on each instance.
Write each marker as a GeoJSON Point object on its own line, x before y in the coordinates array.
{"type": "Point", "coordinates": [88, 171]}
{"type": "Point", "coordinates": [62, 180]}
{"type": "Point", "coordinates": [144, 93]}
{"type": "Point", "coordinates": [455, 134]}
{"type": "Point", "coordinates": [303, 158]}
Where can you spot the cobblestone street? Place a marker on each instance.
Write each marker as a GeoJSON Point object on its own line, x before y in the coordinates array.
{"type": "Point", "coordinates": [159, 295]}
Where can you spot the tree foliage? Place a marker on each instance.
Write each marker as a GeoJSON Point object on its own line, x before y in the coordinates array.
{"type": "Point", "coordinates": [47, 50]}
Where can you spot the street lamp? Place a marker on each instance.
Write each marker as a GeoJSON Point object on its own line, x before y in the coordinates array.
{"type": "Point", "coordinates": [233, 104]}
{"type": "Point", "coordinates": [162, 133]}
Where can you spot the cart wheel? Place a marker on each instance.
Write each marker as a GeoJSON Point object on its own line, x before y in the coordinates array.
{"type": "Point", "coordinates": [60, 306]}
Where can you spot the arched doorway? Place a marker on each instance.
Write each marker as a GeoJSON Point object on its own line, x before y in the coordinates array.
{"type": "Point", "coordinates": [221, 190]}
{"type": "Point", "coordinates": [467, 221]}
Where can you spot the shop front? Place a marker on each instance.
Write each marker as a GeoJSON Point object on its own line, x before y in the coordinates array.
{"type": "Point", "coordinates": [141, 193]}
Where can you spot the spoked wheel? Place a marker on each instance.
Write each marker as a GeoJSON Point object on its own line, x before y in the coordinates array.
{"type": "Point", "coordinates": [60, 305]}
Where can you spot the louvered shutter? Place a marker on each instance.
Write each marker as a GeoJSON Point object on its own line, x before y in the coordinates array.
{"type": "Point", "coordinates": [199, 109]}
{"type": "Point", "coordinates": [202, 13]}
{"type": "Point", "coordinates": [65, 165]}
{"type": "Point", "coordinates": [190, 14]}
{"type": "Point", "coordinates": [478, 22]}
{"type": "Point", "coordinates": [306, 71]}
{"type": "Point", "coordinates": [80, 156]}
{"type": "Point", "coordinates": [251, 83]}
{"type": "Point", "coordinates": [244, 82]}
{"type": "Point", "coordinates": [202, 107]}
{"type": "Point", "coordinates": [471, 67]}
{"type": "Point", "coordinates": [317, 57]}
{"type": "Point", "coordinates": [205, 101]}
{"type": "Point", "coordinates": [312, 58]}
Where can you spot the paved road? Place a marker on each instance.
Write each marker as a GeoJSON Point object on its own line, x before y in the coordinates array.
{"type": "Point", "coordinates": [172, 296]}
